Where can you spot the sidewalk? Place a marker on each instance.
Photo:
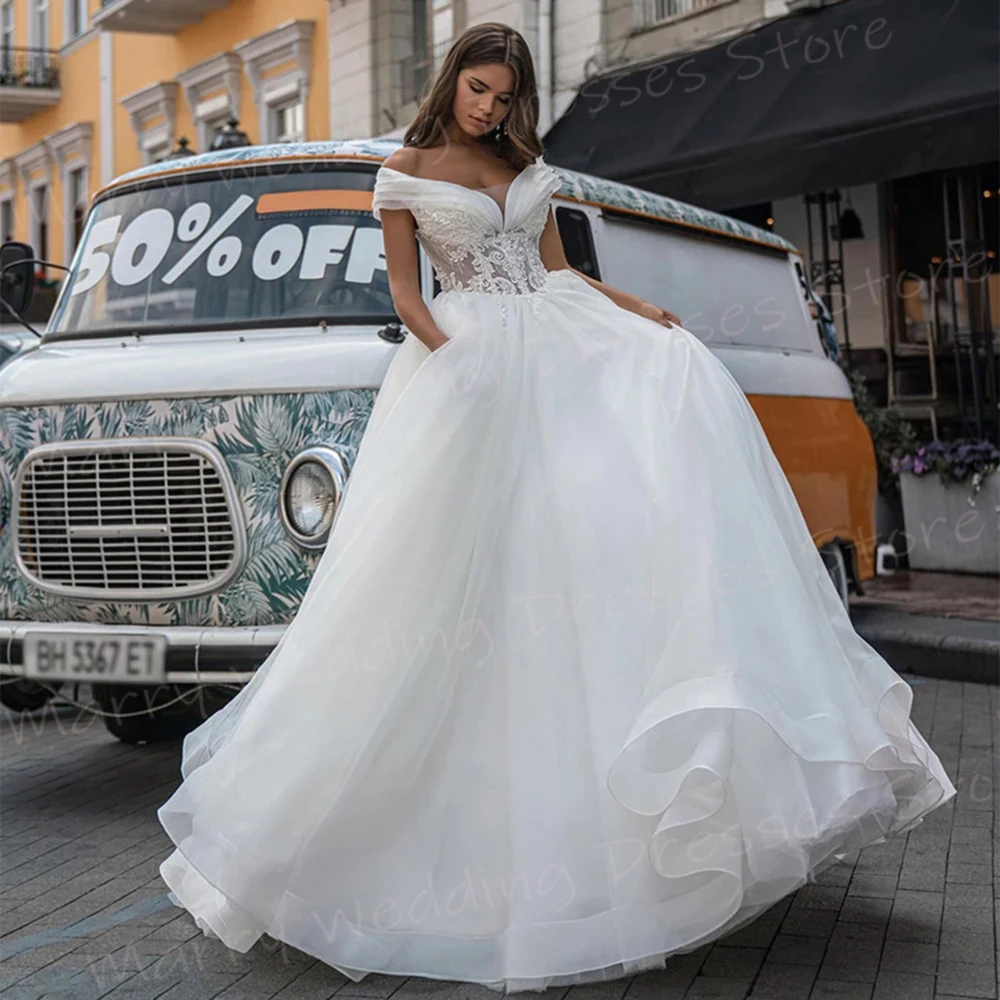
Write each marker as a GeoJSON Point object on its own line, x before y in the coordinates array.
{"type": "Point", "coordinates": [943, 625]}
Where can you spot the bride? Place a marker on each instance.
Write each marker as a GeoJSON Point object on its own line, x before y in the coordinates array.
{"type": "Point", "coordinates": [571, 690]}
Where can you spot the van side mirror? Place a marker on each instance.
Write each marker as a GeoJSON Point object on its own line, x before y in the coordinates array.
{"type": "Point", "coordinates": [17, 275]}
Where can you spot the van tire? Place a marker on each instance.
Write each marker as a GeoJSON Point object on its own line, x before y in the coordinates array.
{"type": "Point", "coordinates": [155, 724]}
{"type": "Point", "coordinates": [21, 695]}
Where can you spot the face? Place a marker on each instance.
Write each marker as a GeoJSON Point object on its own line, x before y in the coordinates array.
{"type": "Point", "coordinates": [483, 97]}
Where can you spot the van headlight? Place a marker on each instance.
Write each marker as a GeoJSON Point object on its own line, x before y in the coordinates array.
{"type": "Point", "coordinates": [311, 489]}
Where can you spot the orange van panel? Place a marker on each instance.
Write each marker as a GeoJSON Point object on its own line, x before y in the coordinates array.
{"type": "Point", "coordinates": [827, 454]}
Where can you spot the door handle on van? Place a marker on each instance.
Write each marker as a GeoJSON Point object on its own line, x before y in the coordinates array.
{"type": "Point", "coordinates": [393, 332]}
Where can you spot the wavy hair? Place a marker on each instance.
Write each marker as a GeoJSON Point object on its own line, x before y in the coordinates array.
{"type": "Point", "coordinates": [515, 139]}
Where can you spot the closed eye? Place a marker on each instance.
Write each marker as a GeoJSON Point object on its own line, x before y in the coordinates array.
{"type": "Point", "coordinates": [479, 87]}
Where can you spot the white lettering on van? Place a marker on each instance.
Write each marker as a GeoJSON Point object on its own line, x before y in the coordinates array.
{"type": "Point", "coordinates": [325, 245]}
{"type": "Point", "coordinates": [277, 252]}
{"type": "Point", "coordinates": [367, 256]}
{"type": "Point", "coordinates": [224, 256]}
{"type": "Point", "coordinates": [194, 221]}
{"type": "Point", "coordinates": [143, 246]}
{"type": "Point", "coordinates": [93, 261]}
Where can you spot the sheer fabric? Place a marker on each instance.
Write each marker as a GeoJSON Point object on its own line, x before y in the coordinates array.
{"type": "Point", "coordinates": [571, 689]}
{"type": "Point", "coordinates": [468, 233]}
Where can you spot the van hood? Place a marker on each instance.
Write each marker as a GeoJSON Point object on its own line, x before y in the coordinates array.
{"type": "Point", "coordinates": [197, 364]}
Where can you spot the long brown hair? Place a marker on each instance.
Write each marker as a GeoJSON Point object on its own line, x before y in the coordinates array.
{"type": "Point", "coordinates": [515, 139]}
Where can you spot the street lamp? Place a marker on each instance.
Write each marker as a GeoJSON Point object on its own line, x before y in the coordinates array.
{"type": "Point", "coordinates": [230, 136]}
{"type": "Point", "coordinates": [181, 151]}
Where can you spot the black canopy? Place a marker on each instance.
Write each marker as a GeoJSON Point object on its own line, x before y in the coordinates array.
{"type": "Point", "coordinates": [859, 91]}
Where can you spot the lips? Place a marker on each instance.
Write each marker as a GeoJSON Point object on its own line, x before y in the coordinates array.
{"type": "Point", "coordinates": [479, 121]}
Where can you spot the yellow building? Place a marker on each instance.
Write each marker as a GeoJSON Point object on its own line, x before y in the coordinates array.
{"type": "Point", "coordinates": [89, 90]}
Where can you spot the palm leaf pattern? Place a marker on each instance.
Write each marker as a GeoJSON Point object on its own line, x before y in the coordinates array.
{"type": "Point", "coordinates": [257, 436]}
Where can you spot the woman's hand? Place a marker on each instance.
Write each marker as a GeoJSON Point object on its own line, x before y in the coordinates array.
{"type": "Point", "coordinates": [437, 344]}
{"type": "Point", "coordinates": [658, 315]}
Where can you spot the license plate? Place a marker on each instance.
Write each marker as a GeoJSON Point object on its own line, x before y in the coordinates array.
{"type": "Point", "coordinates": [90, 656]}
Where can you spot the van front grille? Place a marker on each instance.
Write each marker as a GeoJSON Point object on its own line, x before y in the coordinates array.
{"type": "Point", "coordinates": [142, 519]}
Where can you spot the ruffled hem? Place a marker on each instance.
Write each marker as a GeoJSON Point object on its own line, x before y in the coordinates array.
{"type": "Point", "coordinates": [735, 754]}
{"type": "Point", "coordinates": [727, 870]}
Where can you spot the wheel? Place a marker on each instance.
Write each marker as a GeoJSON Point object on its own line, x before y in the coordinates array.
{"type": "Point", "coordinates": [836, 566]}
{"type": "Point", "coordinates": [21, 695]}
{"type": "Point", "coordinates": [163, 717]}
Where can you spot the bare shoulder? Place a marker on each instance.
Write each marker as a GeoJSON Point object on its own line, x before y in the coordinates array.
{"type": "Point", "coordinates": [406, 160]}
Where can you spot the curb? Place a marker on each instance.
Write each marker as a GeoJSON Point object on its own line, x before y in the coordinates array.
{"type": "Point", "coordinates": [956, 649]}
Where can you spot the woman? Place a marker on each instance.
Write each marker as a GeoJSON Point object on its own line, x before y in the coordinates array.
{"type": "Point", "coordinates": [571, 689]}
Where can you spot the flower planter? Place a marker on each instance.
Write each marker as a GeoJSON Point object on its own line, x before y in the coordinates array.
{"type": "Point", "coordinates": [950, 529]}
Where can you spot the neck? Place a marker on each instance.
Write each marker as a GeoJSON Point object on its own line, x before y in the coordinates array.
{"type": "Point", "coordinates": [459, 137]}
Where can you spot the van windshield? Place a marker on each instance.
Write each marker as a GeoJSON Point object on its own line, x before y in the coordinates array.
{"type": "Point", "coordinates": [245, 249]}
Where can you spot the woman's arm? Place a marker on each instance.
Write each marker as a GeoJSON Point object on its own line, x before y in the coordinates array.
{"type": "Point", "coordinates": [402, 263]}
{"type": "Point", "coordinates": [554, 258]}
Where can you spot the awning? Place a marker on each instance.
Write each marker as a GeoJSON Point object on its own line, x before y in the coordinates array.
{"type": "Point", "coordinates": [859, 91]}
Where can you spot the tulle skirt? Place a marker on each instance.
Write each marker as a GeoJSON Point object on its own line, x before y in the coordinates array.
{"type": "Point", "coordinates": [570, 690]}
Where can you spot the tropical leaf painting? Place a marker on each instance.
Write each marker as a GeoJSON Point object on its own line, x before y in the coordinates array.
{"type": "Point", "coordinates": [257, 436]}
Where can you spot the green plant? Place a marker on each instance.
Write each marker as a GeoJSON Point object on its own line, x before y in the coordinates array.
{"type": "Point", "coordinates": [892, 434]}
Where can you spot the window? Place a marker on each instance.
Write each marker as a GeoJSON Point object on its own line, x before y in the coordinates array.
{"type": "Point", "coordinates": [416, 68]}
{"type": "Point", "coordinates": [279, 66]}
{"type": "Point", "coordinates": [157, 151]}
{"type": "Point", "coordinates": [442, 28]}
{"type": "Point", "coordinates": [38, 62]}
{"type": "Point", "coordinates": [212, 127]}
{"type": "Point", "coordinates": [434, 24]}
{"type": "Point", "coordinates": [6, 39]}
{"type": "Point", "coordinates": [922, 227]}
{"type": "Point", "coordinates": [578, 241]}
{"type": "Point", "coordinates": [6, 220]}
{"type": "Point", "coordinates": [77, 14]}
{"type": "Point", "coordinates": [152, 112]}
{"type": "Point", "coordinates": [650, 12]}
{"type": "Point", "coordinates": [40, 223]}
{"type": "Point", "coordinates": [310, 252]}
{"type": "Point", "coordinates": [40, 24]}
{"type": "Point", "coordinates": [290, 123]}
{"type": "Point", "coordinates": [212, 91]}
{"type": "Point", "coordinates": [77, 180]}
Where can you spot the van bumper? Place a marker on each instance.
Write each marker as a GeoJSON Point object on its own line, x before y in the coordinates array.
{"type": "Point", "coordinates": [195, 655]}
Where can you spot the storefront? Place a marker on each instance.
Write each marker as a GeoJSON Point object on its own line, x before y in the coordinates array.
{"type": "Point", "coordinates": [893, 100]}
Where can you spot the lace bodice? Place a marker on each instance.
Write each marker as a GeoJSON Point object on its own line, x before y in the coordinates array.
{"type": "Point", "coordinates": [474, 243]}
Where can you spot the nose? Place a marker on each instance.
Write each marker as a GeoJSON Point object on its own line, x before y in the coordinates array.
{"type": "Point", "coordinates": [486, 106]}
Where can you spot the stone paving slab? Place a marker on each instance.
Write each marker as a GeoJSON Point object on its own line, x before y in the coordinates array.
{"type": "Point", "coordinates": [84, 915]}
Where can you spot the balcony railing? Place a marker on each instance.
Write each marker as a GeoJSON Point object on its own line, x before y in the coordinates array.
{"type": "Point", "coordinates": [29, 81]}
{"type": "Point", "coordinates": [29, 68]}
{"type": "Point", "coordinates": [656, 11]}
{"type": "Point", "coordinates": [153, 17]}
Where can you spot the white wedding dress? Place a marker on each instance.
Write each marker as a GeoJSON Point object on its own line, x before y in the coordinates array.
{"type": "Point", "coordinates": [571, 689]}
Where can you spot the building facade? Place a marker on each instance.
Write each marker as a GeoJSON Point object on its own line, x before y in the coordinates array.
{"type": "Point", "coordinates": [92, 88]}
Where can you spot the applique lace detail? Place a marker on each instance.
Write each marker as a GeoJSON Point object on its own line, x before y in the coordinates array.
{"type": "Point", "coordinates": [471, 255]}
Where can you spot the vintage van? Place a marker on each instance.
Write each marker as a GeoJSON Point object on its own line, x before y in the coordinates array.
{"type": "Point", "coordinates": [173, 452]}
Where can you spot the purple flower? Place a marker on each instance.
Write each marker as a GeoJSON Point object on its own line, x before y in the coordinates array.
{"type": "Point", "coordinates": [953, 461]}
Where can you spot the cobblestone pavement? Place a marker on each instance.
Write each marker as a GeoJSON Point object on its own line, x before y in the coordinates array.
{"type": "Point", "coordinates": [85, 915]}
